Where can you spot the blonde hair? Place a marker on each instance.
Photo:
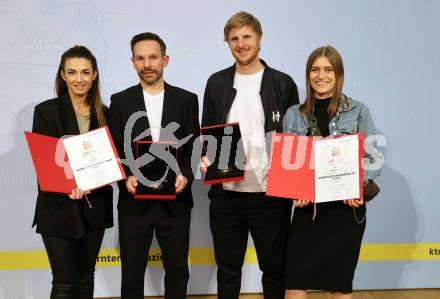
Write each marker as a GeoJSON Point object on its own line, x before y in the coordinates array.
{"type": "Point", "coordinates": [242, 19]}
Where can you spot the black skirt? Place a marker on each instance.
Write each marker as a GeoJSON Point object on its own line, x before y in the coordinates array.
{"type": "Point", "coordinates": [322, 254]}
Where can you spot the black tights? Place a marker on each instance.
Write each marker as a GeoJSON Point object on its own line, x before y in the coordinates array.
{"type": "Point", "coordinates": [73, 264]}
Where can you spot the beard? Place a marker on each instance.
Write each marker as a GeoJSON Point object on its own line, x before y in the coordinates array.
{"type": "Point", "coordinates": [150, 80]}
{"type": "Point", "coordinates": [246, 60]}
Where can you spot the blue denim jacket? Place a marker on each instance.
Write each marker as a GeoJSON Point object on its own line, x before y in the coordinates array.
{"type": "Point", "coordinates": [352, 117]}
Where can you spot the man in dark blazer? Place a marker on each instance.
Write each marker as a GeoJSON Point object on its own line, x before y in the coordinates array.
{"type": "Point", "coordinates": [257, 96]}
{"type": "Point", "coordinates": [140, 218]}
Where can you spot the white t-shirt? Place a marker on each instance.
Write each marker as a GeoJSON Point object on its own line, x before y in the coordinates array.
{"type": "Point", "coordinates": [247, 109]}
{"type": "Point", "coordinates": [154, 106]}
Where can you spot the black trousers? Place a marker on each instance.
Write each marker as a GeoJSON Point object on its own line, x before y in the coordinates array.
{"type": "Point", "coordinates": [73, 264]}
{"type": "Point", "coordinates": [135, 236]}
{"type": "Point", "coordinates": [232, 216]}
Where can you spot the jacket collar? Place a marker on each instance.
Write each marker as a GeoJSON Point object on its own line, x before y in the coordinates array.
{"type": "Point", "coordinates": [69, 117]}
{"type": "Point", "coordinates": [167, 103]}
{"type": "Point", "coordinates": [346, 103]}
{"type": "Point", "coordinates": [229, 86]}
{"type": "Point", "coordinates": [168, 91]}
{"type": "Point", "coordinates": [232, 69]}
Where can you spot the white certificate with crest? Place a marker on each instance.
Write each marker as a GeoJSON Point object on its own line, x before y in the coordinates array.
{"type": "Point", "coordinates": [93, 159]}
{"type": "Point", "coordinates": [337, 168]}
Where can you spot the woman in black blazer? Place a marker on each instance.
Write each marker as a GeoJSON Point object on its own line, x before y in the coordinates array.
{"type": "Point", "coordinates": [72, 225]}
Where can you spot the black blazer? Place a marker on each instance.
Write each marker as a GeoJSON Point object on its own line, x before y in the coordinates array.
{"type": "Point", "coordinates": [179, 106]}
{"type": "Point", "coordinates": [56, 214]}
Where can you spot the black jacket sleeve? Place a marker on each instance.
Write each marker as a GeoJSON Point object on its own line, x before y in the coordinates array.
{"type": "Point", "coordinates": [291, 90]}
{"type": "Point", "coordinates": [116, 127]}
{"type": "Point", "coordinates": [207, 104]}
{"type": "Point", "coordinates": [192, 128]}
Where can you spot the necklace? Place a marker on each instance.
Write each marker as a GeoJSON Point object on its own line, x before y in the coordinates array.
{"type": "Point", "coordinates": [82, 115]}
{"type": "Point", "coordinates": [78, 107]}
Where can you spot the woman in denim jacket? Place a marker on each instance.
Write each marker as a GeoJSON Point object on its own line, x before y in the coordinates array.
{"type": "Point", "coordinates": [325, 239]}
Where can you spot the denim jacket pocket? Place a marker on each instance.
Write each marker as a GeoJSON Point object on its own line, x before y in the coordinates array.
{"type": "Point", "coordinates": [301, 130]}
{"type": "Point", "coordinates": [348, 127]}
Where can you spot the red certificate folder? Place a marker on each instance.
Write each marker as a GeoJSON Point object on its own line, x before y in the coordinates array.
{"type": "Point", "coordinates": [53, 172]}
{"type": "Point", "coordinates": [156, 170]}
{"type": "Point", "coordinates": [298, 180]}
{"type": "Point", "coordinates": [232, 171]}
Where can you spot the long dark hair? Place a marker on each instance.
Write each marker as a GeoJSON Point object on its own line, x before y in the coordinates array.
{"type": "Point", "coordinates": [93, 98]}
{"type": "Point", "coordinates": [335, 60]}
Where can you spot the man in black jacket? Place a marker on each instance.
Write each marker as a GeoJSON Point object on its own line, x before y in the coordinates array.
{"type": "Point", "coordinates": [256, 96]}
{"type": "Point", "coordinates": [171, 115]}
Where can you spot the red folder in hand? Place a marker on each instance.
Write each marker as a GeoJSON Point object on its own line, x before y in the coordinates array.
{"type": "Point", "coordinates": [292, 166]}
{"type": "Point", "coordinates": [53, 175]}
{"type": "Point", "coordinates": [291, 175]}
{"type": "Point", "coordinates": [52, 164]}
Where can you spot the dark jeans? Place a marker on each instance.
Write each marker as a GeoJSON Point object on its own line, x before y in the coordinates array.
{"type": "Point", "coordinates": [135, 236]}
{"type": "Point", "coordinates": [73, 264]}
{"type": "Point", "coordinates": [233, 215]}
